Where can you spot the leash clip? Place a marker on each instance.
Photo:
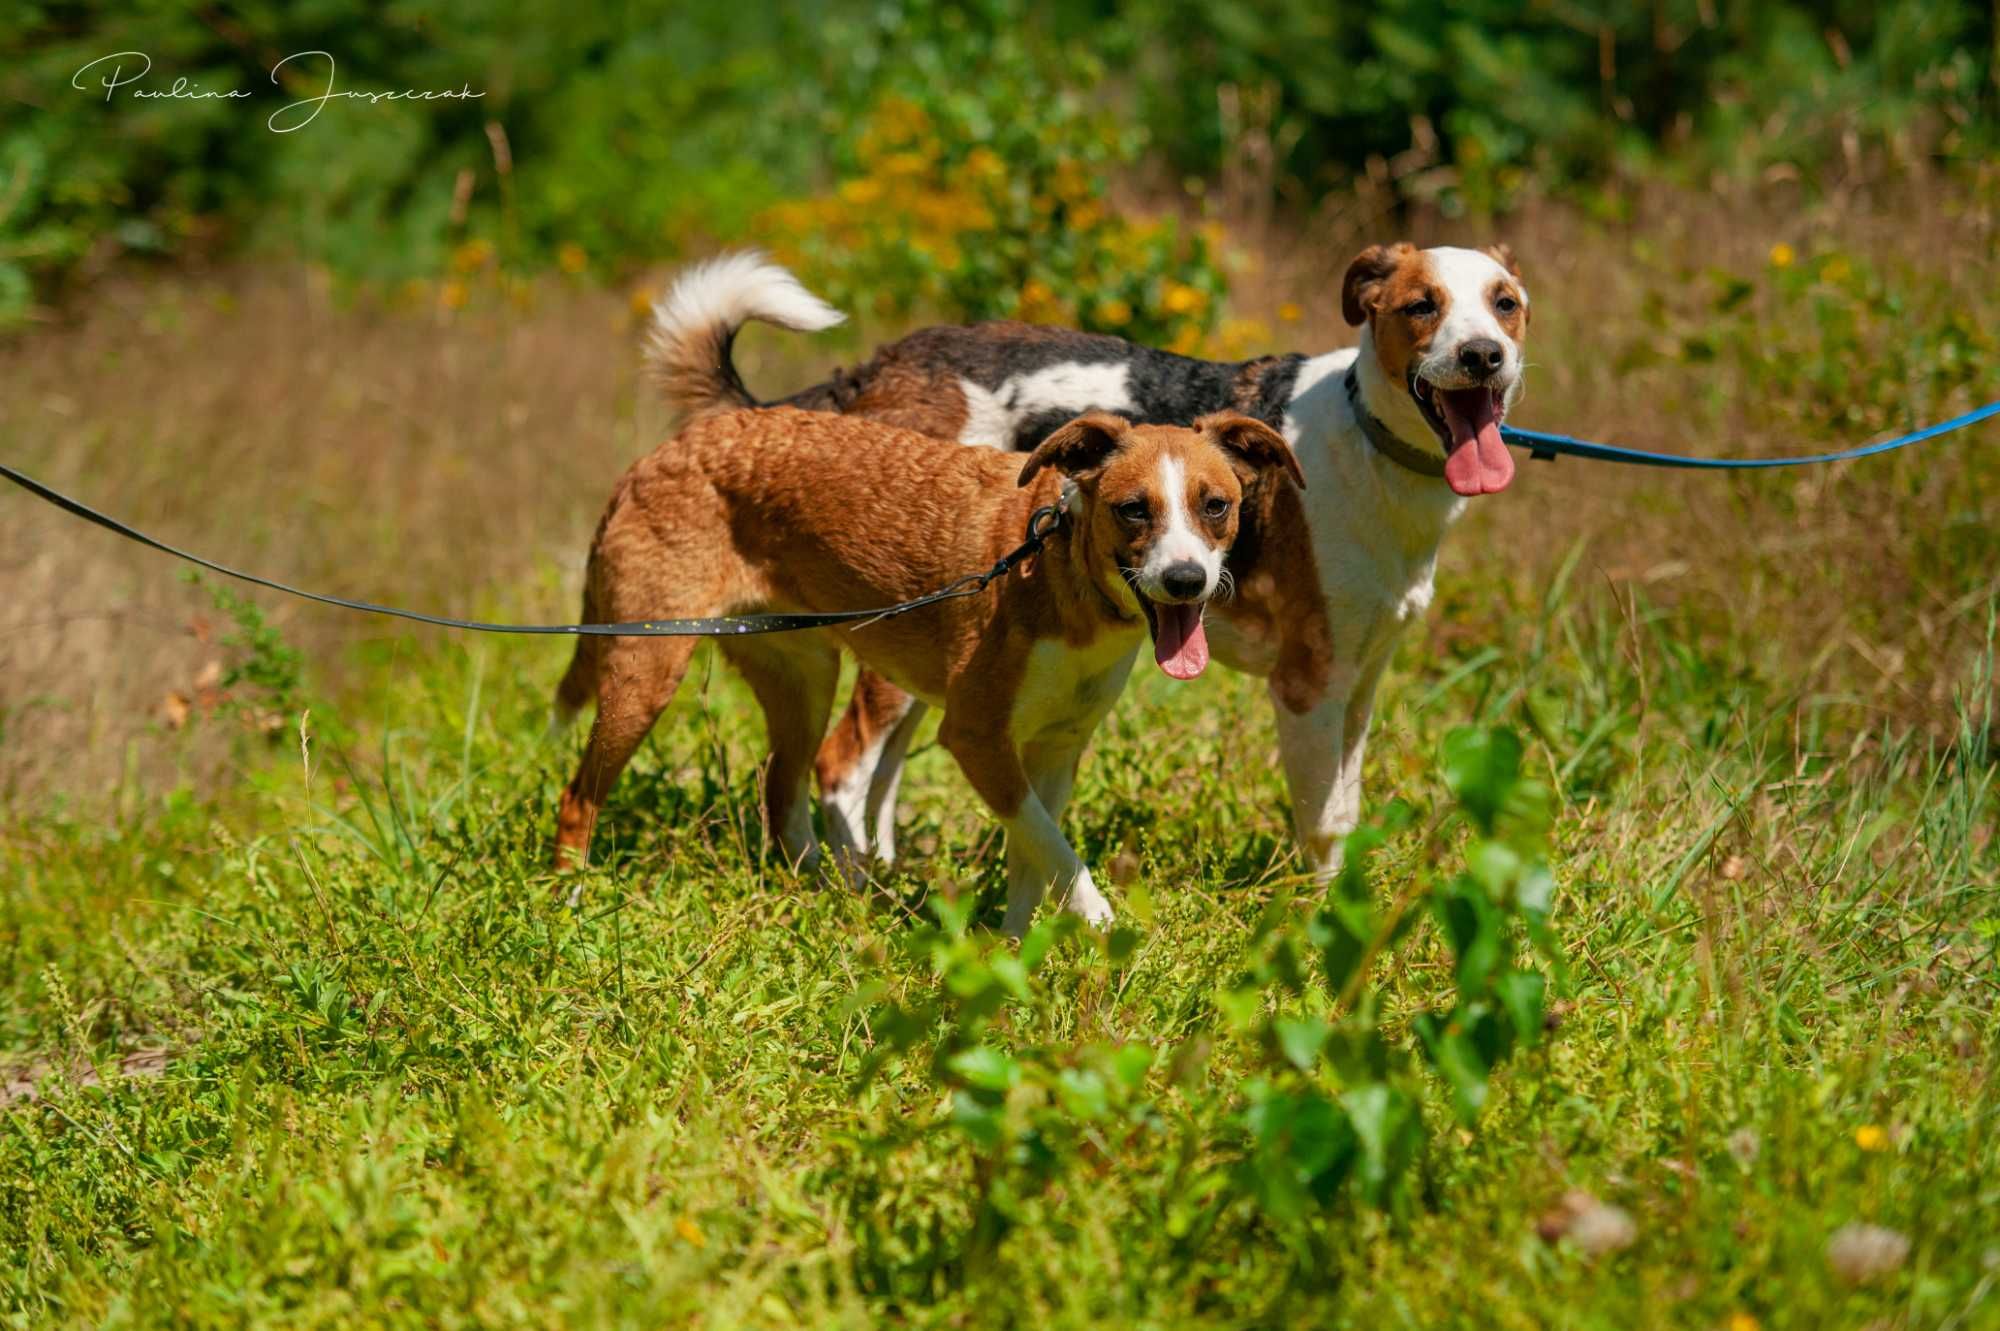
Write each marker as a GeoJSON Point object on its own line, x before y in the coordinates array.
{"type": "Point", "coordinates": [1045, 521]}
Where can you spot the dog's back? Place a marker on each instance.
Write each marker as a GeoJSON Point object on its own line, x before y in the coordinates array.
{"type": "Point", "coordinates": [998, 384]}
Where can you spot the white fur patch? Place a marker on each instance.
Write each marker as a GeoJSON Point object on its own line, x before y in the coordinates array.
{"type": "Point", "coordinates": [991, 418]}
{"type": "Point", "coordinates": [988, 422]}
{"type": "Point", "coordinates": [1182, 542]}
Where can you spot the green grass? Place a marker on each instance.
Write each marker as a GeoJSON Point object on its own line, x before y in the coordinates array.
{"type": "Point", "coordinates": [312, 1044]}
{"type": "Point", "coordinates": [403, 1087]}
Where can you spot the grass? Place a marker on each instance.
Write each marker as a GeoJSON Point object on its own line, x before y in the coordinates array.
{"type": "Point", "coordinates": [397, 1085]}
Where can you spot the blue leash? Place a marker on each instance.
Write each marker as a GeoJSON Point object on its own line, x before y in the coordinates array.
{"type": "Point", "coordinates": [1549, 447]}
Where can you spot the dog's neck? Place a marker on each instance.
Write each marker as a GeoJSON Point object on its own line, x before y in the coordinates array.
{"type": "Point", "coordinates": [1088, 588]}
{"type": "Point", "coordinates": [1391, 405]}
{"type": "Point", "coordinates": [1335, 451]}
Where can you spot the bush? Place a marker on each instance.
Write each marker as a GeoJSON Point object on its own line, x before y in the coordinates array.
{"type": "Point", "coordinates": [977, 187]}
{"type": "Point", "coordinates": [1312, 1106]}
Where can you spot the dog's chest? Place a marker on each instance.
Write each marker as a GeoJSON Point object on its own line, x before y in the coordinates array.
{"type": "Point", "coordinates": [1065, 690]}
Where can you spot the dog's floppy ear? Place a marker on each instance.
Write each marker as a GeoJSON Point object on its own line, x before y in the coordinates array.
{"type": "Point", "coordinates": [1365, 276]}
{"type": "Point", "coordinates": [1251, 442]}
{"type": "Point", "coordinates": [1083, 445]}
{"type": "Point", "coordinates": [1503, 254]}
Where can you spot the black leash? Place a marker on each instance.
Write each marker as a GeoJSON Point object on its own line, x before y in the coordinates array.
{"type": "Point", "coordinates": [1042, 523]}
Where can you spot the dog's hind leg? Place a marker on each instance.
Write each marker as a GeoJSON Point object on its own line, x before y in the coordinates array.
{"type": "Point", "coordinates": [859, 767]}
{"type": "Point", "coordinates": [794, 684]}
{"type": "Point", "coordinates": [636, 679]}
{"type": "Point", "coordinates": [887, 780]}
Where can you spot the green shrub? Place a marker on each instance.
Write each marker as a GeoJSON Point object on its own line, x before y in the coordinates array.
{"type": "Point", "coordinates": [1330, 1112]}
{"type": "Point", "coordinates": [977, 187]}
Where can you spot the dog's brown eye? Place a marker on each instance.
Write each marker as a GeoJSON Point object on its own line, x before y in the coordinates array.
{"type": "Point", "coordinates": [1216, 509]}
{"type": "Point", "coordinates": [1423, 308]}
{"type": "Point", "coordinates": [1506, 305]}
{"type": "Point", "coordinates": [1132, 511]}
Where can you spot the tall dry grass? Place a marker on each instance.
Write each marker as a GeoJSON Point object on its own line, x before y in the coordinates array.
{"type": "Point", "coordinates": [456, 462]}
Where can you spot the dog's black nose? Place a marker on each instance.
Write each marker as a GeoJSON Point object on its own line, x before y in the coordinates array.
{"type": "Point", "coordinates": [1184, 580]}
{"type": "Point", "coordinates": [1482, 357]}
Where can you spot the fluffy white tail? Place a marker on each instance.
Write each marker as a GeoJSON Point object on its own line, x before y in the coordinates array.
{"type": "Point", "coordinates": [695, 323]}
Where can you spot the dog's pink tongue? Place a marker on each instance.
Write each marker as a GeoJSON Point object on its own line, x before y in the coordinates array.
{"type": "Point", "coordinates": [1180, 643]}
{"type": "Point", "coordinates": [1479, 463]}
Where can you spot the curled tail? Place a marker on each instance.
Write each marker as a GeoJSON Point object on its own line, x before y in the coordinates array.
{"type": "Point", "coordinates": [694, 324]}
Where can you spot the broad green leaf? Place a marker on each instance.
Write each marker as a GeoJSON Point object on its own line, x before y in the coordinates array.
{"type": "Point", "coordinates": [1457, 1059]}
{"type": "Point", "coordinates": [1521, 993]}
{"type": "Point", "coordinates": [1131, 1063]}
{"type": "Point", "coordinates": [1536, 888]}
{"type": "Point", "coordinates": [1084, 1093]}
{"type": "Point", "coordinates": [1300, 1039]}
{"type": "Point", "coordinates": [980, 1121]}
{"type": "Point", "coordinates": [1039, 939]}
{"type": "Point", "coordinates": [1481, 768]}
{"type": "Point", "coordinates": [1343, 930]}
{"type": "Point", "coordinates": [1011, 975]}
{"type": "Point", "coordinates": [954, 912]}
{"type": "Point", "coordinates": [984, 1066]}
{"type": "Point", "coordinates": [1386, 1126]}
{"type": "Point", "coordinates": [1239, 1004]}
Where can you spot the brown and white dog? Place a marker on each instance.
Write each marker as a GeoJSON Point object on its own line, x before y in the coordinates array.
{"type": "Point", "coordinates": [789, 510]}
{"type": "Point", "coordinates": [1393, 436]}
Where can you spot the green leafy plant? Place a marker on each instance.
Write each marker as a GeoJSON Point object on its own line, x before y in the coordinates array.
{"type": "Point", "coordinates": [1335, 1110]}
{"type": "Point", "coordinates": [976, 186]}
{"type": "Point", "coordinates": [265, 682]}
{"type": "Point", "coordinates": [1327, 1111]}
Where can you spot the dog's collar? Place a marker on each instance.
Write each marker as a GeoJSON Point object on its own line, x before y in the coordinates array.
{"type": "Point", "coordinates": [1385, 440]}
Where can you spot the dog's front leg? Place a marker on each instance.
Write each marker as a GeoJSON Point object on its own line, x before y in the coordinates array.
{"type": "Point", "coordinates": [1051, 772]}
{"type": "Point", "coordinates": [860, 765]}
{"type": "Point", "coordinates": [1038, 856]}
{"type": "Point", "coordinates": [1311, 745]}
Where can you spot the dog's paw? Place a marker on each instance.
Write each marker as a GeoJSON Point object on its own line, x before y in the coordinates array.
{"type": "Point", "coordinates": [1087, 902]}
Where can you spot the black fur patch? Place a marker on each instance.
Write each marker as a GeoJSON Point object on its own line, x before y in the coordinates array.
{"type": "Point", "coordinates": [1169, 389]}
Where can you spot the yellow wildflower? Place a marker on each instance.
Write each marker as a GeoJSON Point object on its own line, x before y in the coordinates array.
{"type": "Point", "coordinates": [1115, 313]}
{"type": "Point", "coordinates": [453, 295]}
{"type": "Point", "coordinates": [1039, 303]}
{"type": "Point", "coordinates": [904, 164]}
{"type": "Point", "coordinates": [1871, 1137]}
{"type": "Point", "coordinates": [982, 163]}
{"type": "Point", "coordinates": [861, 192]}
{"type": "Point", "coordinates": [1782, 255]}
{"type": "Point", "coordinates": [1742, 1321]}
{"type": "Point", "coordinates": [1237, 336]}
{"type": "Point", "coordinates": [1180, 298]}
{"type": "Point", "coordinates": [473, 255]}
{"type": "Point", "coordinates": [690, 1231]}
